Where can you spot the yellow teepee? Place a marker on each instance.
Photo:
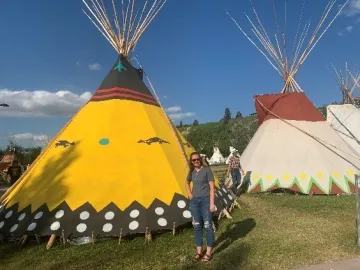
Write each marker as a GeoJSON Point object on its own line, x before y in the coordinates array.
{"type": "Point", "coordinates": [118, 165]}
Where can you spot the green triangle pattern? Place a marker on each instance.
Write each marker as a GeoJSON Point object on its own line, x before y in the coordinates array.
{"type": "Point", "coordinates": [312, 181]}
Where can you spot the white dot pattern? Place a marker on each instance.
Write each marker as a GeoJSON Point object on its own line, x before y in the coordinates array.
{"type": "Point", "coordinates": [55, 226]}
{"type": "Point", "coordinates": [84, 215]}
{"type": "Point", "coordinates": [107, 227]}
{"type": "Point", "coordinates": [81, 227]}
{"type": "Point", "coordinates": [181, 204]}
{"type": "Point", "coordinates": [9, 214]}
{"type": "Point", "coordinates": [134, 213]}
{"type": "Point", "coordinates": [133, 225]}
{"type": "Point", "coordinates": [162, 222]}
{"type": "Point", "coordinates": [22, 216]}
{"type": "Point", "coordinates": [31, 227]}
{"type": "Point", "coordinates": [59, 214]}
{"type": "Point", "coordinates": [13, 228]}
{"type": "Point", "coordinates": [230, 197]}
{"type": "Point", "coordinates": [109, 215]}
{"type": "Point", "coordinates": [38, 215]}
{"type": "Point", "coordinates": [187, 214]}
{"type": "Point", "coordinates": [159, 211]}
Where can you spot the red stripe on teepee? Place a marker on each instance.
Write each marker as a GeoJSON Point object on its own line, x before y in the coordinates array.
{"type": "Point", "coordinates": [123, 90]}
{"type": "Point", "coordinates": [288, 106]}
{"type": "Point", "coordinates": [124, 96]}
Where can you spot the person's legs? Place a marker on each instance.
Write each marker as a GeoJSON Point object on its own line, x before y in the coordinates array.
{"type": "Point", "coordinates": [234, 176]}
{"type": "Point", "coordinates": [195, 208]}
{"type": "Point", "coordinates": [208, 220]}
{"type": "Point", "coordinates": [240, 176]}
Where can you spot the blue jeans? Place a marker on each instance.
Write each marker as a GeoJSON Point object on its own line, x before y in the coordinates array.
{"type": "Point", "coordinates": [236, 178]}
{"type": "Point", "coordinates": [200, 211]}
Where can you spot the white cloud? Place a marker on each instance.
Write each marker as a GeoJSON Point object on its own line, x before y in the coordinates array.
{"type": "Point", "coordinates": [41, 103]}
{"type": "Point", "coordinates": [95, 66]}
{"type": "Point", "coordinates": [174, 109]}
{"type": "Point", "coordinates": [175, 113]}
{"type": "Point", "coordinates": [352, 9]}
{"type": "Point", "coordinates": [349, 28]}
{"type": "Point", "coordinates": [180, 116]}
{"type": "Point", "coordinates": [30, 136]}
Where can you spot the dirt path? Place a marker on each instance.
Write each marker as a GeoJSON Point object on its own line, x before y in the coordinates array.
{"type": "Point", "coordinates": [294, 238]}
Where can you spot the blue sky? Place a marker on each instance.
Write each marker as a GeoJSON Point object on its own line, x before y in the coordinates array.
{"type": "Point", "coordinates": [194, 54]}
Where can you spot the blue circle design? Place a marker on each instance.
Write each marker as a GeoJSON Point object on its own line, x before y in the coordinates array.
{"type": "Point", "coordinates": [104, 141]}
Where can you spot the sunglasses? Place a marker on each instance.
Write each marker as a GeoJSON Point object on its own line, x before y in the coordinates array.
{"type": "Point", "coordinates": [196, 159]}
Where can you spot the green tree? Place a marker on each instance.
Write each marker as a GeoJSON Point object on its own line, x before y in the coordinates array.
{"type": "Point", "coordinates": [227, 116]}
{"type": "Point", "coordinates": [196, 122]}
{"type": "Point", "coordinates": [238, 115]}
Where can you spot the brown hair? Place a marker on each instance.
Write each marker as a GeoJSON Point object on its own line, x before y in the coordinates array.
{"type": "Point", "coordinates": [190, 162]}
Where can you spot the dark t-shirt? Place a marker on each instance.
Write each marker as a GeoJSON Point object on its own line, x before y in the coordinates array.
{"type": "Point", "coordinates": [201, 181]}
{"type": "Point", "coordinates": [14, 172]}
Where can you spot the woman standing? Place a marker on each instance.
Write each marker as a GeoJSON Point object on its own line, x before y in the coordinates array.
{"type": "Point", "coordinates": [201, 204]}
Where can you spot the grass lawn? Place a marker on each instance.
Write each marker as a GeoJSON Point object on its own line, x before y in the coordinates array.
{"type": "Point", "coordinates": [269, 232]}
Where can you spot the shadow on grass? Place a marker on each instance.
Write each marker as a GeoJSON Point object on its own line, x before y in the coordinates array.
{"type": "Point", "coordinates": [40, 187]}
{"type": "Point", "coordinates": [234, 232]}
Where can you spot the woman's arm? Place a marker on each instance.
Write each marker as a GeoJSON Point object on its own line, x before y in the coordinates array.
{"type": "Point", "coordinates": [212, 196]}
{"type": "Point", "coordinates": [187, 185]}
{"type": "Point", "coordinates": [188, 189]}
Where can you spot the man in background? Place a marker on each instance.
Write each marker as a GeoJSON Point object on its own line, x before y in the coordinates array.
{"type": "Point", "coordinates": [14, 171]}
{"type": "Point", "coordinates": [235, 168]}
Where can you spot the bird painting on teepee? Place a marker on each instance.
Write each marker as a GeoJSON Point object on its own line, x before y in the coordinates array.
{"type": "Point", "coordinates": [97, 177]}
{"type": "Point", "coordinates": [294, 147]}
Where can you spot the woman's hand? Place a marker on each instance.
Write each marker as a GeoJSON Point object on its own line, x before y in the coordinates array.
{"type": "Point", "coordinates": [190, 196]}
{"type": "Point", "coordinates": [212, 207]}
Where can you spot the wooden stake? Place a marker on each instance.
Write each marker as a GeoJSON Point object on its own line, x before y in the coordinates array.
{"type": "Point", "coordinates": [51, 241]}
{"type": "Point", "coordinates": [148, 236]}
{"type": "Point", "coordinates": [146, 233]}
{"type": "Point", "coordinates": [214, 227]}
{"type": "Point", "coordinates": [37, 239]}
{"type": "Point", "coordinates": [236, 203]}
{"type": "Point", "coordinates": [120, 235]}
{"type": "Point", "coordinates": [174, 228]}
{"type": "Point", "coordinates": [220, 215]}
{"type": "Point", "coordinates": [227, 213]}
{"type": "Point", "coordinates": [92, 237]}
{"type": "Point", "coordinates": [24, 239]}
{"type": "Point", "coordinates": [63, 237]}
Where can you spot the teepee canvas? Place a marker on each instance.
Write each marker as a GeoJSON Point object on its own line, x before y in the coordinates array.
{"type": "Point", "coordinates": [294, 147]}
{"type": "Point", "coordinates": [345, 118]}
{"type": "Point", "coordinates": [118, 166]}
{"type": "Point", "coordinates": [217, 157]}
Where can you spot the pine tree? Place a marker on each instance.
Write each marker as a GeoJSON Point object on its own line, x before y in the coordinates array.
{"type": "Point", "coordinates": [227, 116]}
{"type": "Point", "coordinates": [238, 115]}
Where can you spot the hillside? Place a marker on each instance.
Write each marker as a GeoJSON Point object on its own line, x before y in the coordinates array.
{"type": "Point", "coordinates": [237, 133]}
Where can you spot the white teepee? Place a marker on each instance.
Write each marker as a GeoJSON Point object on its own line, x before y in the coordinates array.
{"type": "Point", "coordinates": [345, 118]}
{"type": "Point", "coordinates": [217, 157]}
{"type": "Point", "coordinates": [294, 147]}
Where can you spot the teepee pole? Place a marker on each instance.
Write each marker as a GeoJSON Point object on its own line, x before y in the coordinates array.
{"type": "Point", "coordinates": [275, 51]}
